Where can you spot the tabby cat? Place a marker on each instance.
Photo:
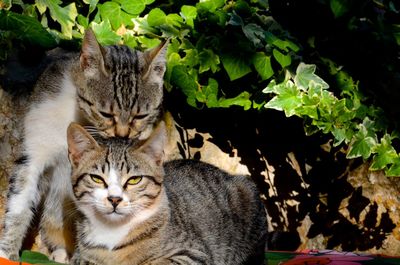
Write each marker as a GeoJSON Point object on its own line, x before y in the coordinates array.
{"type": "Point", "coordinates": [137, 210]}
{"type": "Point", "coordinates": [114, 89]}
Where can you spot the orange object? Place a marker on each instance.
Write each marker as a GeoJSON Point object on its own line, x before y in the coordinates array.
{"type": "Point", "coordinates": [10, 262]}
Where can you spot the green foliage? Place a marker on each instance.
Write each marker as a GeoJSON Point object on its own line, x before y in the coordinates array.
{"type": "Point", "coordinates": [223, 54]}
{"type": "Point", "coordinates": [306, 95]}
{"type": "Point", "coordinates": [36, 258]}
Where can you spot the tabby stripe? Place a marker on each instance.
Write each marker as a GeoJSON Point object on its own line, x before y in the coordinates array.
{"type": "Point", "coordinates": [128, 168]}
{"type": "Point", "coordinates": [190, 255]}
{"type": "Point", "coordinates": [152, 197]}
{"type": "Point", "coordinates": [144, 236]}
{"type": "Point", "coordinates": [22, 160]}
{"type": "Point", "coordinates": [85, 100]}
{"type": "Point", "coordinates": [79, 196]}
{"type": "Point", "coordinates": [79, 179]}
{"type": "Point", "coordinates": [153, 179]}
{"type": "Point", "coordinates": [108, 163]}
{"type": "Point", "coordinates": [136, 69]}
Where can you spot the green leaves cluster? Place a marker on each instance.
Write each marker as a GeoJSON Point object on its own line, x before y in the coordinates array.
{"type": "Point", "coordinates": [359, 127]}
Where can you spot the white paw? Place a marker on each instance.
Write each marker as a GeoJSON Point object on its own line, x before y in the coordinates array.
{"type": "Point", "coordinates": [3, 254]}
{"type": "Point", "coordinates": [60, 255]}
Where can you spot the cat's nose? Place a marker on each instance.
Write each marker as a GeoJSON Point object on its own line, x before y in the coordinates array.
{"type": "Point", "coordinates": [114, 200]}
{"type": "Point", "coordinates": [122, 130]}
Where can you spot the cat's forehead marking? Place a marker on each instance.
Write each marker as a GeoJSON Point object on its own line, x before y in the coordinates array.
{"type": "Point", "coordinates": [113, 176]}
{"type": "Point", "coordinates": [114, 188]}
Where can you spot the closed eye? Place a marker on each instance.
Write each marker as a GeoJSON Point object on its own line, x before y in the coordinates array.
{"type": "Point", "coordinates": [142, 116]}
{"type": "Point", "coordinates": [106, 115]}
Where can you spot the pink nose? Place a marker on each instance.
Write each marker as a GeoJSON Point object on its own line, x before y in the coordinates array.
{"type": "Point", "coordinates": [114, 200]}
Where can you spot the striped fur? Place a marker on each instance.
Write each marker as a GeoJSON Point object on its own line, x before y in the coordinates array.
{"type": "Point", "coordinates": [115, 91]}
{"type": "Point", "coordinates": [182, 212]}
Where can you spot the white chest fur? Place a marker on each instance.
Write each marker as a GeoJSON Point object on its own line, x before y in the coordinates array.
{"type": "Point", "coordinates": [46, 122]}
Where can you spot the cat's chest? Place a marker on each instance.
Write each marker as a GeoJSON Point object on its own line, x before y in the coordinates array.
{"type": "Point", "coordinates": [107, 236]}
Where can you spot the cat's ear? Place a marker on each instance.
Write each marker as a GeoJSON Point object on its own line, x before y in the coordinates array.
{"type": "Point", "coordinates": [92, 55]}
{"type": "Point", "coordinates": [79, 142]}
{"type": "Point", "coordinates": [154, 146]}
{"type": "Point", "coordinates": [156, 61]}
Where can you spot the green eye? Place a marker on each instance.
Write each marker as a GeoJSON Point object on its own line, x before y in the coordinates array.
{"type": "Point", "coordinates": [134, 180]}
{"type": "Point", "coordinates": [97, 179]}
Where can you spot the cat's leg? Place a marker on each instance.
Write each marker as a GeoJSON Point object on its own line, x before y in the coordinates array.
{"type": "Point", "coordinates": [22, 200]}
{"type": "Point", "coordinates": [77, 259]}
{"type": "Point", "coordinates": [56, 226]}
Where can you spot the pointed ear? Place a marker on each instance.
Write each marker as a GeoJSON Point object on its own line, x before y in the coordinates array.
{"type": "Point", "coordinates": [79, 142]}
{"type": "Point", "coordinates": [91, 59]}
{"type": "Point", "coordinates": [154, 146]}
{"type": "Point", "coordinates": [156, 61]}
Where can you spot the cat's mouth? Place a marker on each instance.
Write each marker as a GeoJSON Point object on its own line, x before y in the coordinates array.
{"type": "Point", "coordinates": [114, 212]}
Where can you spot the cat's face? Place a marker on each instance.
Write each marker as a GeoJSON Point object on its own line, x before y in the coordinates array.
{"type": "Point", "coordinates": [120, 90]}
{"type": "Point", "coordinates": [115, 181]}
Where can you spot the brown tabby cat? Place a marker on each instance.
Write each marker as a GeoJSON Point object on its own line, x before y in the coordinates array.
{"type": "Point", "coordinates": [137, 210]}
{"type": "Point", "coordinates": [116, 90]}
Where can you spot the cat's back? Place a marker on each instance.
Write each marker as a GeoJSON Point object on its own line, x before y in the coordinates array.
{"type": "Point", "coordinates": [58, 64]}
{"type": "Point", "coordinates": [220, 211]}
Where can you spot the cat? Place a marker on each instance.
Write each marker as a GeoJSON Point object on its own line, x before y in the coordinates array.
{"type": "Point", "coordinates": [138, 210]}
{"type": "Point", "coordinates": [114, 90]}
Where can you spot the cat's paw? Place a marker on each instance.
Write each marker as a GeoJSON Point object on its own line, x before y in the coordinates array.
{"type": "Point", "coordinates": [60, 255]}
{"type": "Point", "coordinates": [3, 254]}
{"type": "Point", "coordinates": [12, 256]}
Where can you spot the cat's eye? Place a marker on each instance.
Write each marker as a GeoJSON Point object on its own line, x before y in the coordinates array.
{"type": "Point", "coordinates": [97, 179]}
{"type": "Point", "coordinates": [134, 180]}
{"type": "Point", "coordinates": [106, 115]}
{"type": "Point", "coordinates": [142, 116]}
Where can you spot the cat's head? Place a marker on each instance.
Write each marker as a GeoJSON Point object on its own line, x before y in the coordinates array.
{"type": "Point", "coordinates": [120, 90]}
{"type": "Point", "coordinates": [117, 179]}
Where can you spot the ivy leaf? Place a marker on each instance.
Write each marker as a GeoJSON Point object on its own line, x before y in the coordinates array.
{"type": "Point", "coordinates": [210, 5]}
{"type": "Point", "coordinates": [173, 60]}
{"type": "Point", "coordinates": [156, 17]}
{"type": "Point", "coordinates": [36, 258]}
{"type": "Point", "coordinates": [208, 61]}
{"type": "Point", "coordinates": [385, 154]}
{"type": "Point", "coordinates": [112, 11]}
{"type": "Point", "coordinates": [272, 87]}
{"type": "Point", "coordinates": [174, 20]}
{"type": "Point", "coordinates": [189, 13]}
{"type": "Point", "coordinates": [262, 63]}
{"type": "Point", "coordinates": [243, 99]}
{"type": "Point", "coordinates": [305, 74]}
{"type": "Point", "coordinates": [394, 170]}
{"type": "Point", "coordinates": [148, 42]}
{"type": "Point", "coordinates": [27, 29]}
{"type": "Point", "coordinates": [208, 94]}
{"type": "Point", "coordinates": [104, 34]}
{"type": "Point", "coordinates": [363, 143]}
{"type": "Point", "coordinates": [288, 99]}
{"type": "Point", "coordinates": [284, 45]}
{"type": "Point", "coordinates": [283, 59]}
{"type": "Point", "coordinates": [133, 7]}
{"type": "Point", "coordinates": [181, 78]}
{"type": "Point", "coordinates": [65, 16]}
{"type": "Point", "coordinates": [254, 33]}
{"type": "Point", "coordinates": [92, 5]}
{"type": "Point", "coordinates": [235, 66]}
{"type": "Point", "coordinates": [339, 7]}
{"type": "Point", "coordinates": [235, 20]}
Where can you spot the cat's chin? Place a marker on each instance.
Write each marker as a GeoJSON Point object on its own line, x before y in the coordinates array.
{"type": "Point", "coordinates": [115, 217]}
